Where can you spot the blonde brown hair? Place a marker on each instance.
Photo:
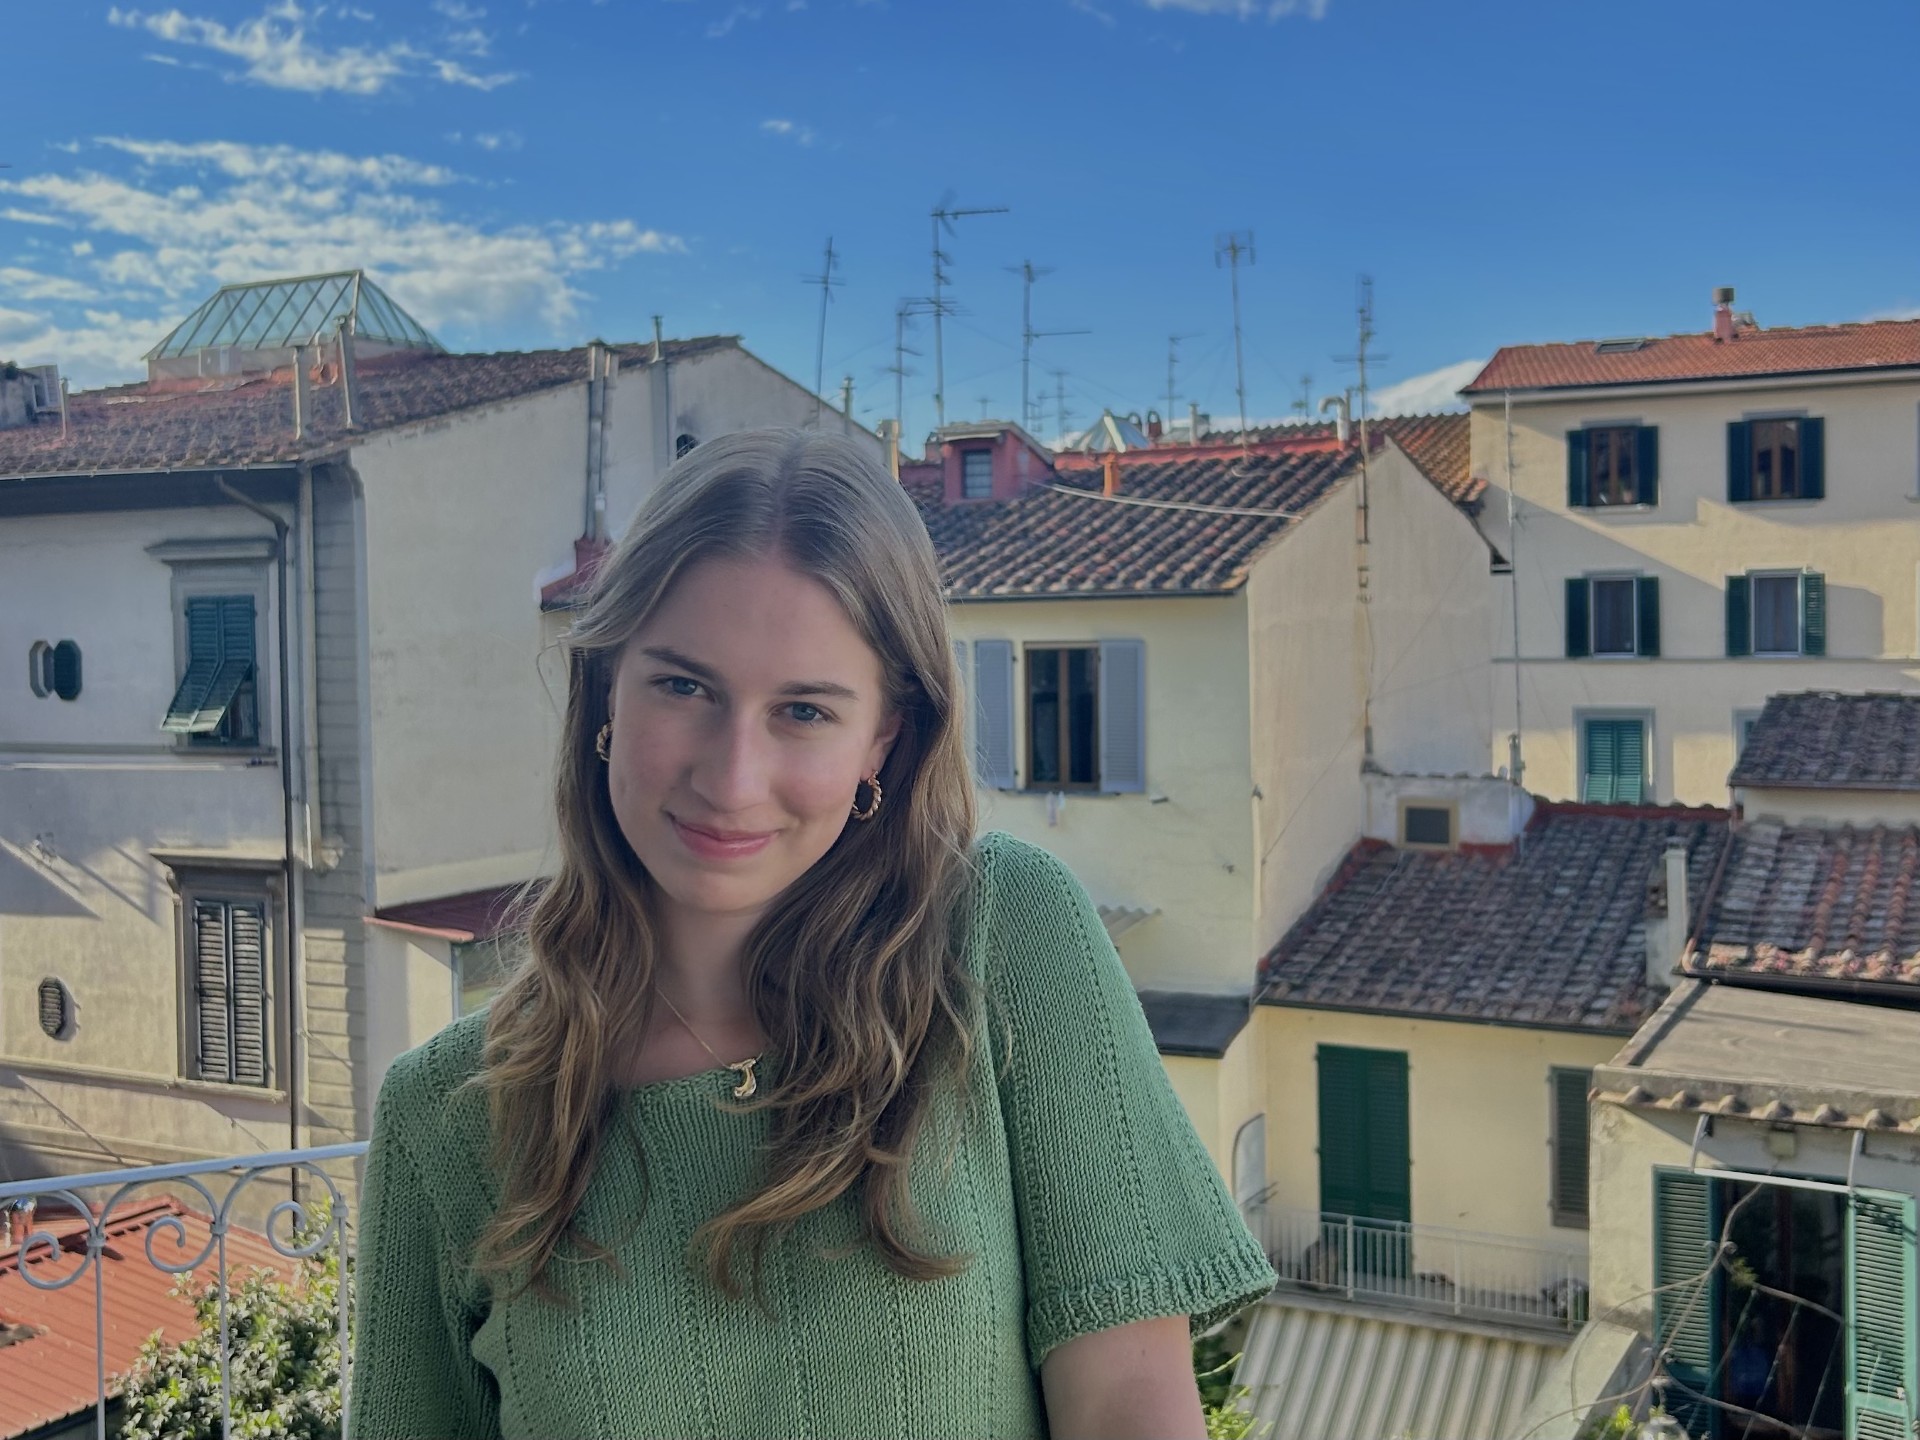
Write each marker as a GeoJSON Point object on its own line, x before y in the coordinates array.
{"type": "Point", "coordinates": [855, 972]}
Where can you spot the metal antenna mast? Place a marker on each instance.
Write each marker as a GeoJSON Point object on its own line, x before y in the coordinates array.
{"type": "Point", "coordinates": [943, 216]}
{"type": "Point", "coordinates": [1303, 407]}
{"type": "Point", "coordinates": [1173, 360]}
{"type": "Point", "coordinates": [1060, 401]}
{"type": "Point", "coordinates": [1229, 248]}
{"type": "Point", "coordinates": [1360, 357]}
{"type": "Point", "coordinates": [1028, 273]}
{"type": "Point", "coordinates": [902, 312]}
{"type": "Point", "coordinates": [827, 283]}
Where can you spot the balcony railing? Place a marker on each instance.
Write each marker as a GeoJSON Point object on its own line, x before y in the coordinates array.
{"type": "Point", "coordinates": [1422, 1267]}
{"type": "Point", "coordinates": [84, 1210]}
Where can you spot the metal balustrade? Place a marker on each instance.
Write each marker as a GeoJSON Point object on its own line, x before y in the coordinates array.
{"type": "Point", "coordinates": [286, 1223]}
{"type": "Point", "coordinates": [1422, 1267]}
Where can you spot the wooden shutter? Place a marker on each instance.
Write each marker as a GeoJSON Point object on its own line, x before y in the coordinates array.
{"type": "Point", "coordinates": [1882, 1383]}
{"type": "Point", "coordinates": [1686, 1235]}
{"type": "Point", "coordinates": [212, 993]}
{"type": "Point", "coordinates": [1343, 1121]}
{"type": "Point", "coordinates": [247, 951]}
{"type": "Point", "coordinates": [1123, 716]}
{"type": "Point", "coordinates": [1629, 762]}
{"type": "Point", "coordinates": [1739, 616]}
{"type": "Point", "coordinates": [1739, 460]}
{"type": "Point", "coordinates": [1597, 785]}
{"type": "Point", "coordinates": [962, 700]}
{"type": "Point", "coordinates": [1813, 614]}
{"type": "Point", "coordinates": [1646, 460]}
{"type": "Point", "coordinates": [1389, 1163]}
{"type": "Point", "coordinates": [1569, 1179]}
{"type": "Point", "coordinates": [1813, 459]}
{"type": "Point", "coordinates": [203, 663]}
{"type": "Point", "coordinates": [993, 713]}
{"type": "Point", "coordinates": [1646, 596]}
{"type": "Point", "coordinates": [1577, 485]}
{"type": "Point", "coordinates": [1579, 621]}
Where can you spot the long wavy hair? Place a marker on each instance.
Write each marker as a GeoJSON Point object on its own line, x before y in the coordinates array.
{"type": "Point", "coordinates": [856, 971]}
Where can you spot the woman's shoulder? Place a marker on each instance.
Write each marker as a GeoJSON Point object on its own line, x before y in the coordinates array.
{"type": "Point", "coordinates": [426, 1093]}
{"type": "Point", "coordinates": [1030, 912]}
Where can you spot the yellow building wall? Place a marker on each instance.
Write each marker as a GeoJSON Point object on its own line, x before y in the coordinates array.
{"type": "Point", "coordinates": [1222, 1095]}
{"type": "Point", "coordinates": [1864, 537]}
{"type": "Point", "coordinates": [1183, 847]}
{"type": "Point", "coordinates": [1479, 1125]}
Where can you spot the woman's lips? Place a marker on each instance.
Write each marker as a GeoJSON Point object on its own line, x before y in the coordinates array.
{"type": "Point", "coordinates": [720, 845]}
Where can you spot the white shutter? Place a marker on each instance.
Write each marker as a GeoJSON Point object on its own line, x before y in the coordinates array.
{"type": "Point", "coordinates": [1123, 716]}
{"type": "Point", "coordinates": [962, 698]}
{"type": "Point", "coordinates": [993, 713]}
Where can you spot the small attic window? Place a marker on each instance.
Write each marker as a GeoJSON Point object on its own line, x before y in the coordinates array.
{"type": "Point", "coordinates": [1622, 345]}
{"type": "Point", "coordinates": [1427, 827]}
{"type": "Point", "coordinates": [684, 446]}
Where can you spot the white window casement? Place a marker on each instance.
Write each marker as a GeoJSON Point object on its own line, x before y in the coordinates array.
{"type": "Point", "coordinates": [221, 605]}
{"type": "Point", "coordinates": [1776, 614]}
{"type": "Point", "coordinates": [1058, 716]}
{"type": "Point", "coordinates": [1613, 616]}
{"type": "Point", "coordinates": [228, 958]}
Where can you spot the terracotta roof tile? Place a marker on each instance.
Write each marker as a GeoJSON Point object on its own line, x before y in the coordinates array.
{"type": "Point", "coordinates": [1438, 444]}
{"type": "Point", "coordinates": [1872, 345]}
{"type": "Point", "coordinates": [249, 421]}
{"type": "Point", "coordinates": [1823, 741]}
{"type": "Point", "coordinates": [476, 915]}
{"type": "Point", "coordinates": [1802, 902]}
{"type": "Point", "coordinates": [1549, 934]}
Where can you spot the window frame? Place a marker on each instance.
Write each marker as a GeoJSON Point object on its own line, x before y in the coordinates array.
{"type": "Point", "coordinates": [1754, 651]}
{"type": "Point", "coordinates": [1754, 452]}
{"type": "Point", "coordinates": [1622, 432]}
{"type": "Point", "coordinates": [221, 585]}
{"type": "Point", "coordinates": [966, 457]}
{"type": "Point", "coordinates": [1632, 582]}
{"type": "Point", "coordinates": [195, 882]}
{"type": "Point", "coordinates": [1416, 802]}
{"type": "Point", "coordinates": [40, 669]}
{"type": "Point", "coordinates": [1648, 769]}
{"type": "Point", "coordinates": [1031, 783]}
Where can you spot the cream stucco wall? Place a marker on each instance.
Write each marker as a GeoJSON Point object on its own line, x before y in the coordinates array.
{"type": "Point", "coordinates": [410, 994]}
{"type": "Point", "coordinates": [1830, 807]}
{"type": "Point", "coordinates": [1478, 1113]}
{"type": "Point", "coordinates": [1224, 1094]}
{"type": "Point", "coordinates": [1864, 537]}
{"type": "Point", "coordinates": [1183, 847]}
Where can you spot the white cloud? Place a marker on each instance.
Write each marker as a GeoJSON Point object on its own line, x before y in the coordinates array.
{"type": "Point", "coordinates": [29, 217]}
{"type": "Point", "coordinates": [276, 49]}
{"type": "Point", "coordinates": [1087, 7]}
{"type": "Point", "coordinates": [790, 130]}
{"type": "Point", "coordinates": [1246, 9]}
{"type": "Point", "coordinates": [176, 220]}
{"type": "Point", "coordinates": [1425, 394]}
{"type": "Point", "coordinates": [459, 12]}
{"type": "Point", "coordinates": [1899, 312]}
{"type": "Point", "coordinates": [104, 347]}
{"type": "Point", "coordinates": [724, 26]}
{"type": "Point", "coordinates": [504, 140]}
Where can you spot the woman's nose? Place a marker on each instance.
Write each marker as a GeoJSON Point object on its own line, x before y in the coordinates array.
{"type": "Point", "coordinates": [732, 771]}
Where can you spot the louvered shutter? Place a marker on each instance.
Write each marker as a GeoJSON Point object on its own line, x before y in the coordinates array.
{"type": "Point", "coordinates": [1739, 460]}
{"type": "Point", "coordinates": [212, 993]}
{"type": "Point", "coordinates": [1597, 788]}
{"type": "Point", "coordinates": [1123, 716]}
{"type": "Point", "coordinates": [1882, 1383]}
{"type": "Point", "coordinates": [1579, 622]}
{"type": "Point", "coordinates": [993, 713]}
{"type": "Point", "coordinates": [247, 951]}
{"type": "Point", "coordinates": [1389, 1161]}
{"type": "Point", "coordinates": [1813, 459]}
{"type": "Point", "coordinates": [1570, 1145]}
{"type": "Point", "coordinates": [1739, 616]}
{"type": "Point", "coordinates": [203, 663]}
{"type": "Point", "coordinates": [66, 670]}
{"type": "Point", "coordinates": [1647, 463]}
{"type": "Point", "coordinates": [1343, 1128]}
{"type": "Point", "coordinates": [1813, 614]}
{"type": "Point", "coordinates": [220, 658]}
{"type": "Point", "coordinates": [1577, 483]}
{"type": "Point", "coordinates": [1629, 762]}
{"type": "Point", "coordinates": [962, 699]}
{"type": "Point", "coordinates": [1646, 594]}
{"type": "Point", "coordinates": [1686, 1233]}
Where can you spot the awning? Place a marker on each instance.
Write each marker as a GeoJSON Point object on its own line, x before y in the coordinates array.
{"type": "Point", "coordinates": [1322, 1371]}
{"type": "Point", "coordinates": [476, 915]}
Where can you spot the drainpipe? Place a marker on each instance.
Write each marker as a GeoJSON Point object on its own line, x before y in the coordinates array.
{"type": "Point", "coordinates": [295, 897]}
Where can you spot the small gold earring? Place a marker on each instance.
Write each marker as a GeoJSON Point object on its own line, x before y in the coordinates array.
{"type": "Point", "coordinates": [603, 742]}
{"type": "Point", "coordinates": [873, 806]}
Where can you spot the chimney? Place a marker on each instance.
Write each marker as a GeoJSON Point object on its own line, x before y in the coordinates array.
{"type": "Point", "coordinates": [1723, 313]}
{"type": "Point", "coordinates": [346, 368]}
{"type": "Point", "coordinates": [300, 401]}
{"type": "Point", "coordinates": [1110, 478]}
{"type": "Point", "coordinates": [657, 340]}
{"type": "Point", "coordinates": [1154, 428]}
{"type": "Point", "coordinates": [1667, 933]}
{"type": "Point", "coordinates": [1194, 425]}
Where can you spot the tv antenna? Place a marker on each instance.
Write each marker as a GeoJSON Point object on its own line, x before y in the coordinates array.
{"type": "Point", "coordinates": [902, 313]}
{"type": "Point", "coordinates": [1361, 355]}
{"type": "Point", "coordinates": [1303, 407]}
{"type": "Point", "coordinates": [1060, 401]}
{"type": "Point", "coordinates": [943, 215]}
{"type": "Point", "coordinates": [1173, 361]}
{"type": "Point", "coordinates": [1228, 249]}
{"type": "Point", "coordinates": [828, 284]}
{"type": "Point", "coordinates": [1028, 273]}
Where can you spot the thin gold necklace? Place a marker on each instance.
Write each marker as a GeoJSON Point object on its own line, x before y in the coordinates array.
{"type": "Point", "coordinates": [743, 1068]}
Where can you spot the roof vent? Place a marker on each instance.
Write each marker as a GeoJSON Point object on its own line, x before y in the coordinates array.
{"type": "Point", "coordinates": [252, 329]}
{"type": "Point", "coordinates": [1622, 344]}
{"type": "Point", "coordinates": [27, 392]}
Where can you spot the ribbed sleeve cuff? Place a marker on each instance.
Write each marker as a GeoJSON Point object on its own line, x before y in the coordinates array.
{"type": "Point", "coordinates": [1207, 1290]}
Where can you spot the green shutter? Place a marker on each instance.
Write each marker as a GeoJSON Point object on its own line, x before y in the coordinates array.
{"type": "Point", "coordinates": [1577, 487]}
{"type": "Point", "coordinates": [1579, 623]}
{"type": "Point", "coordinates": [1813, 459]}
{"type": "Point", "coordinates": [1569, 1180]}
{"type": "Point", "coordinates": [1389, 1161]}
{"type": "Point", "coordinates": [1686, 1227]}
{"type": "Point", "coordinates": [1647, 459]}
{"type": "Point", "coordinates": [1597, 787]}
{"type": "Point", "coordinates": [203, 663]}
{"type": "Point", "coordinates": [220, 659]}
{"type": "Point", "coordinates": [1739, 460]}
{"type": "Point", "coordinates": [1647, 610]}
{"type": "Point", "coordinates": [1739, 616]}
{"type": "Point", "coordinates": [1343, 1127]}
{"type": "Point", "coordinates": [1882, 1382]}
{"type": "Point", "coordinates": [1630, 762]}
{"type": "Point", "coordinates": [1813, 614]}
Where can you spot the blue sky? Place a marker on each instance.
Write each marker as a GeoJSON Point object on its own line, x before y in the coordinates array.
{"type": "Point", "coordinates": [531, 172]}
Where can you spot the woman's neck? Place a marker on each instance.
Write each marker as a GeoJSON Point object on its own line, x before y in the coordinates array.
{"type": "Point", "coordinates": [701, 966]}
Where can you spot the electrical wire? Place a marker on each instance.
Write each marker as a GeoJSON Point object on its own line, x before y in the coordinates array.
{"type": "Point", "coordinates": [1193, 505]}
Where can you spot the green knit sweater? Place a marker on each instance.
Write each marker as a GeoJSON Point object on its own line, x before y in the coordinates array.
{"type": "Point", "coordinates": [1073, 1178]}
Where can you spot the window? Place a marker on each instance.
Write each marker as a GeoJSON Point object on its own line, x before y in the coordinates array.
{"type": "Point", "coordinates": [1776, 614]}
{"type": "Point", "coordinates": [1743, 723]}
{"type": "Point", "coordinates": [66, 670]}
{"type": "Point", "coordinates": [976, 474]}
{"type": "Point", "coordinates": [217, 699]}
{"type": "Point", "coordinates": [1365, 1163]}
{"type": "Point", "coordinates": [1569, 1121]}
{"type": "Point", "coordinates": [1782, 458]}
{"type": "Point", "coordinates": [1613, 616]}
{"type": "Point", "coordinates": [1426, 825]}
{"type": "Point", "coordinates": [40, 668]}
{"type": "Point", "coordinates": [1063, 717]}
{"type": "Point", "coordinates": [1084, 707]}
{"type": "Point", "coordinates": [227, 968]}
{"type": "Point", "coordinates": [683, 445]}
{"type": "Point", "coordinates": [481, 967]}
{"type": "Point", "coordinates": [1613, 768]}
{"type": "Point", "coordinates": [1613, 465]}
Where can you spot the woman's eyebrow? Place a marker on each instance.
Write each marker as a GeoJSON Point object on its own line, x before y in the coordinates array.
{"type": "Point", "coordinates": [667, 655]}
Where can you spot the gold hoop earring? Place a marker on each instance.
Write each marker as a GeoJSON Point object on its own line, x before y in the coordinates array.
{"type": "Point", "coordinates": [873, 806]}
{"type": "Point", "coordinates": [603, 742]}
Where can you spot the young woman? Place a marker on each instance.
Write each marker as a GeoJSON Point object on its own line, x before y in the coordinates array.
{"type": "Point", "coordinates": [809, 1114]}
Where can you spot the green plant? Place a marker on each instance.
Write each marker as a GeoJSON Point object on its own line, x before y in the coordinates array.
{"type": "Point", "coordinates": [1617, 1426]}
{"type": "Point", "coordinates": [1221, 1401]}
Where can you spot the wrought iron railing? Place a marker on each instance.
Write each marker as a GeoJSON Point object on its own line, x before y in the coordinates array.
{"type": "Point", "coordinates": [296, 1229]}
{"type": "Point", "coordinates": [1422, 1267]}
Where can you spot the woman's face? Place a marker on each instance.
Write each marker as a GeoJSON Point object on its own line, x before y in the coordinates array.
{"type": "Point", "coordinates": [746, 711]}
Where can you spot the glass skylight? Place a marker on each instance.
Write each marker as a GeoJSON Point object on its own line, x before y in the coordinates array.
{"type": "Point", "coordinates": [279, 314]}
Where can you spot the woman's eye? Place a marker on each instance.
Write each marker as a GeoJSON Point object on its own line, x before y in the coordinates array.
{"type": "Point", "coordinates": [806, 714]}
{"type": "Point", "coordinates": [679, 685]}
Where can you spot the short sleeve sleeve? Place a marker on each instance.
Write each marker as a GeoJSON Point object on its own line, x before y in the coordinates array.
{"type": "Point", "coordinates": [1122, 1214]}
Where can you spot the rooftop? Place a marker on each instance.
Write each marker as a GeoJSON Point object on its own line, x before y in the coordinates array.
{"type": "Point", "coordinates": [1438, 444]}
{"type": "Point", "coordinates": [1823, 741]}
{"type": "Point", "coordinates": [475, 915]}
{"type": "Point", "coordinates": [1549, 933]}
{"type": "Point", "coordinates": [1194, 1024]}
{"type": "Point", "coordinates": [1674, 359]}
{"type": "Point", "coordinates": [278, 314]}
{"type": "Point", "coordinates": [1814, 906]}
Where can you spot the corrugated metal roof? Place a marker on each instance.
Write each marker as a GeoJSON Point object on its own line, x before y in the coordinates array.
{"type": "Point", "coordinates": [1325, 1372]}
